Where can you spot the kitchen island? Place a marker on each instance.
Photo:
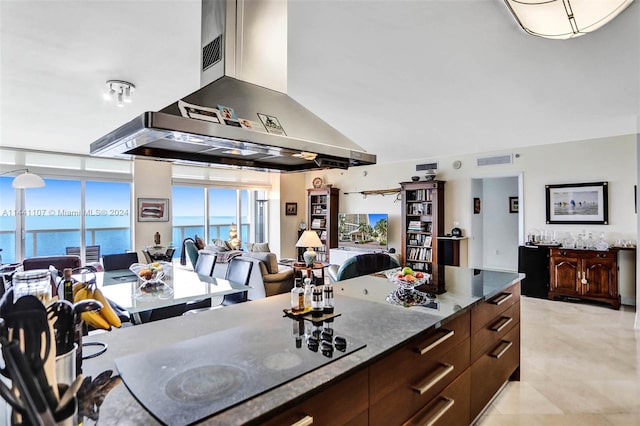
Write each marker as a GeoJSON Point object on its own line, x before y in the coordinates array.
{"type": "Point", "coordinates": [386, 329]}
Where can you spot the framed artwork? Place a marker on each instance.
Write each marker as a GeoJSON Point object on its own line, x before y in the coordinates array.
{"type": "Point", "coordinates": [476, 206]}
{"type": "Point", "coordinates": [153, 209]}
{"type": "Point", "coordinates": [578, 203]}
{"type": "Point", "coordinates": [291, 209]}
{"type": "Point", "coordinates": [513, 204]}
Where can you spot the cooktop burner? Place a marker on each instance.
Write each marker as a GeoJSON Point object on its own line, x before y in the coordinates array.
{"type": "Point", "coordinates": [204, 384]}
{"type": "Point", "coordinates": [194, 379]}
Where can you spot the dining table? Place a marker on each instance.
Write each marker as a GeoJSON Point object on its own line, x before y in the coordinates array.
{"type": "Point", "coordinates": [179, 285]}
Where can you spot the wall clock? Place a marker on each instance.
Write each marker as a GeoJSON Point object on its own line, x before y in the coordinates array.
{"type": "Point", "coordinates": [317, 182]}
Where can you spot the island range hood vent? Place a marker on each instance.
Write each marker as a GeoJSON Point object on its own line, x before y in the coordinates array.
{"type": "Point", "coordinates": [231, 122]}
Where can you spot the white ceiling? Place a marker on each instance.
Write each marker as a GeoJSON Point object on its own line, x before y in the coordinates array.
{"type": "Point", "coordinates": [403, 79]}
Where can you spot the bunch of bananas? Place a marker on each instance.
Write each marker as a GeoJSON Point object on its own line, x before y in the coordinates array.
{"type": "Point", "coordinates": [106, 317]}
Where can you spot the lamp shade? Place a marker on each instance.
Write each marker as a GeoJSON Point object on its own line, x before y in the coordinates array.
{"type": "Point", "coordinates": [563, 19]}
{"type": "Point", "coordinates": [27, 180]}
{"type": "Point", "coordinates": [309, 239]}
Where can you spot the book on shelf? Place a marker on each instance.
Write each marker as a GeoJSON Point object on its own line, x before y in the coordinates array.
{"type": "Point", "coordinates": [318, 223]}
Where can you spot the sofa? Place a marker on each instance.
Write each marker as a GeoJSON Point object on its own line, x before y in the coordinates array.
{"type": "Point", "coordinates": [268, 278]}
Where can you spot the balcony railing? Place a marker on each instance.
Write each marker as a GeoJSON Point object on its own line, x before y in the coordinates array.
{"type": "Point", "coordinates": [52, 242]}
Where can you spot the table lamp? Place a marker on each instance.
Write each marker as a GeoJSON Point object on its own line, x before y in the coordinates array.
{"type": "Point", "coordinates": [309, 239]}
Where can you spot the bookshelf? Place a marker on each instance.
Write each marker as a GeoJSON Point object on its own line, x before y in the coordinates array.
{"type": "Point", "coordinates": [422, 223]}
{"type": "Point", "coordinates": [322, 209]}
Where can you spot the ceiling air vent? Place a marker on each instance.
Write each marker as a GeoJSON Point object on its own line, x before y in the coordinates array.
{"type": "Point", "coordinates": [212, 53]}
{"type": "Point", "coordinates": [492, 161]}
{"type": "Point", "coordinates": [427, 166]}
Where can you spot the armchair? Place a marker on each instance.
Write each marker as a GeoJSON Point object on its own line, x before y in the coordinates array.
{"type": "Point", "coordinates": [267, 277]}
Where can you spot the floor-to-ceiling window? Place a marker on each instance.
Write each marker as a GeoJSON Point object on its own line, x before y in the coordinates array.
{"type": "Point", "coordinates": [108, 216]}
{"type": "Point", "coordinates": [86, 202]}
{"type": "Point", "coordinates": [7, 220]}
{"type": "Point", "coordinates": [52, 218]}
{"type": "Point", "coordinates": [188, 212]}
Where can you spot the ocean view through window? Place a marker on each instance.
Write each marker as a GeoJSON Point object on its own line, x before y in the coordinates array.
{"type": "Point", "coordinates": [57, 215]}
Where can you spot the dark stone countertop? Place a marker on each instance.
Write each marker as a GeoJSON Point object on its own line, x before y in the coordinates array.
{"type": "Point", "coordinates": [364, 314]}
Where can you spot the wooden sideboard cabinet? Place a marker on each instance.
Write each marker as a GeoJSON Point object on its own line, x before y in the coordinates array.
{"type": "Point", "coordinates": [585, 274]}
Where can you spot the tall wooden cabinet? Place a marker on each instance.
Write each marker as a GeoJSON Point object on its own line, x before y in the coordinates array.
{"type": "Point", "coordinates": [585, 274]}
{"type": "Point", "coordinates": [322, 208]}
{"type": "Point", "coordinates": [422, 223]}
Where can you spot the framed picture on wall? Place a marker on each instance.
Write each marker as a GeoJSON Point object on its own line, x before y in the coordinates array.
{"type": "Point", "coordinates": [578, 203]}
{"type": "Point", "coordinates": [153, 209]}
{"type": "Point", "coordinates": [476, 206]}
{"type": "Point", "coordinates": [291, 209]}
{"type": "Point", "coordinates": [513, 204]}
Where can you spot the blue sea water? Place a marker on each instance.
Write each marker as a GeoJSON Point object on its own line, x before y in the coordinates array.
{"type": "Point", "coordinates": [50, 235]}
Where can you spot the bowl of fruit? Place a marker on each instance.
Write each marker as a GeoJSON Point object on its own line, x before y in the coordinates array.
{"type": "Point", "coordinates": [151, 273]}
{"type": "Point", "coordinates": [407, 277]}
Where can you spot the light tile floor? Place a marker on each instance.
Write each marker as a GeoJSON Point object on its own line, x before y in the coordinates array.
{"type": "Point", "coordinates": [580, 365]}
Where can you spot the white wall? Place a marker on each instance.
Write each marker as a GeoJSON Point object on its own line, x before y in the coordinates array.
{"type": "Point", "coordinates": [152, 179]}
{"type": "Point", "coordinates": [500, 228]}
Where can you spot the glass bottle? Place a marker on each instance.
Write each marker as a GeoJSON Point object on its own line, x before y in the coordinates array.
{"type": "Point", "coordinates": [317, 304]}
{"type": "Point", "coordinates": [297, 297]}
{"type": "Point", "coordinates": [67, 285]}
{"type": "Point", "coordinates": [328, 305]}
{"type": "Point", "coordinates": [307, 294]}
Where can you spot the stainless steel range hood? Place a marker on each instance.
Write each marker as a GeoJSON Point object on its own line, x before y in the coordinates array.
{"type": "Point", "coordinates": [268, 129]}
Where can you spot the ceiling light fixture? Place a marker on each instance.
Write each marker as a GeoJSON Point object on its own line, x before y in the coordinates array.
{"type": "Point", "coordinates": [25, 180]}
{"type": "Point", "coordinates": [119, 91]}
{"type": "Point", "coordinates": [563, 19]}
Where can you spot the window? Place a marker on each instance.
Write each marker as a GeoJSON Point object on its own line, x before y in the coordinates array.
{"type": "Point", "coordinates": [55, 217]}
{"type": "Point", "coordinates": [7, 220]}
{"type": "Point", "coordinates": [108, 216]}
{"type": "Point", "coordinates": [196, 209]}
{"type": "Point", "coordinates": [52, 218]}
{"type": "Point", "coordinates": [223, 211]}
{"type": "Point", "coordinates": [187, 213]}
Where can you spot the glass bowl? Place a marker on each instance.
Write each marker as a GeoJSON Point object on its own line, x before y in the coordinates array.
{"type": "Point", "coordinates": [151, 273]}
{"type": "Point", "coordinates": [408, 281]}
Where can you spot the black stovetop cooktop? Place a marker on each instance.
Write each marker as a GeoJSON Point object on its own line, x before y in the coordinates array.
{"type": "Point", "coordinates": [194, 379]}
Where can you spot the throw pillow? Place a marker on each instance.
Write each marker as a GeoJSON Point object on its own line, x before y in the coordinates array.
{"type": "Point", "coordinates": [222, 244]}
{"type": "Point", "coordinates": [199, 243]}
{"type": "Point", "coordinates": [258, 247]}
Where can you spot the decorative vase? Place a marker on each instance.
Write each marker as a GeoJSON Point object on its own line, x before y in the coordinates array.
{"type": "Point", "coordinates": [309, 257]}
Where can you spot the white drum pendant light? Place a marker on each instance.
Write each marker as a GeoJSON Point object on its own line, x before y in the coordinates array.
{"type": "Point", "coordinates": [562, 19]}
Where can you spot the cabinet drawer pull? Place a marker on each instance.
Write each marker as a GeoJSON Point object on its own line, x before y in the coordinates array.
{"type": "Point", "coordinates": [433, 378]}
{"type": "Point", "coordinates": [305, 421]}
{"type": "Point", "coordinates": [504, 322]}
{"type": "Point", "coordinates": [506, 347]}
{"type": "Point", "coordinates": [429, 419]}
{"type": "Point", "coordinates": [424, 349]}
{"type": "Point", "coordinates": [503, 298]}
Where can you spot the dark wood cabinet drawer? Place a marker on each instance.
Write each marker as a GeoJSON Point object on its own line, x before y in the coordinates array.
{"type": "Point", "coordinates": [491, 308]}
{"type": "Point", "coordinates": [450, 407]}
{"type": "Point", "coordinates": [404, 395]}
{"type": "Point", "coordinates": [494, 330]}
{"type": "Point", "coordinates": [417, 358]}
{"type": "Point", "coordinates": [344, 403]}
{"type": "Point", "coordinates": [493, 368]}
